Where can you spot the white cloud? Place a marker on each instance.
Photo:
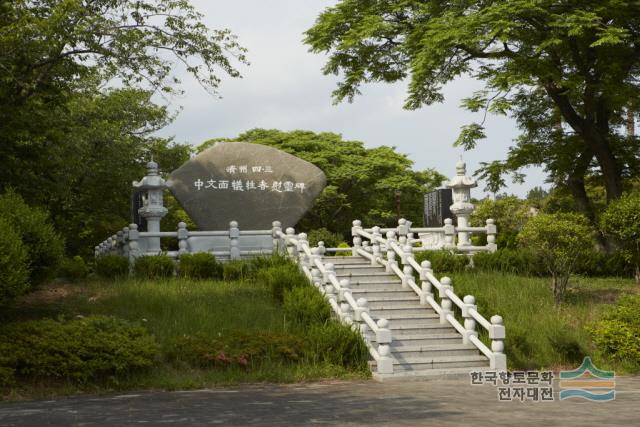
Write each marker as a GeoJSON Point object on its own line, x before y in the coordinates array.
{"type": "Point", "coordinates": [284, 88]}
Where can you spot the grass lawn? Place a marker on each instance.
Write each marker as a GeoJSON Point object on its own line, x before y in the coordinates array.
{"type": "Point", "coordinates": [540, 335]}
{"type": "Point", "coordinates": [170, 310]}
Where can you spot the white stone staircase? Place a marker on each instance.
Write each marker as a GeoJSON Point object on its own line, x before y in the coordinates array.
{"type": "Point", "coordinates": [422, 346]}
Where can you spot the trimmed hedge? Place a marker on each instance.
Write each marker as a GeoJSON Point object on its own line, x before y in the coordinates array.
{"type": "Point", "coordinates": [79, 350]}
{"type": "Point", "coordinates": [444, 261]}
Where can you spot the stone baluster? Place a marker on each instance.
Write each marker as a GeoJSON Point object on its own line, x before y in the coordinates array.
{"type": "Point", "coordinates": [316, 278]}
{"type": "Point", "coordinates": [365, 246]}
{"type": "Point", "coordinates": [425, 268]}
{"type": "Point", "coordinates": [469, 322]}
{"type": "Point", "coordinates": [302, 255]}
{"type": "Point", "coordinates": [445, 302]}
{"type": "Point", "coordinates": [345, 314]}
{"type": "Point", "coordinates": [391, 254]}
{"type": "Point", "coordinates": [183, 235]}
{"type": "Point", "coordinates": [407, 275]}
{"type": "Point", "coordinates": [96, 252]}
{"type": "Point", "coordinates": [363, 307]}
{"type": "Point", "coordinates": [134, 248]}
{"type": "Point", "coordinates": [497, 336]}
{"type": "Point", "coordinates": [125, 241]}
{"type": "Point", "coordinates": [120, 242]}
{"type": "Point", "coordinates": [234, 240]}
{"type": "Point", "coordinates": [344, 289]}
{"type": "Point", "coordinates": [402, 228]}
{"type": "Point", "coordinates": [321, 248]}
{"type": "Point", "coordinates": [407, 253]}
{"type": "Point", "coordinates": [383, 338]}
{"type": "Point", "coordinates": [449, 234]}
{"type": "Point", "coordinates": [357, 240]}
{"type": "Point", "coordinates": [329, 271]}
{"type": "Point", "coordinates": [291, 248]}
{"type": "Point", "coordinates": [315, 256]}
{"type": "Point", "coordinates": [276, 229]}
{"type": "Point", "coordinates": [491, 235]}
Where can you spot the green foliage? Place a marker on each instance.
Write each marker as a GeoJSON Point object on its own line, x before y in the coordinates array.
{"type": "Point", "coordinates": [330, 239]}
{"type": "Point", "coordinates": [344, 253]}
{"type": "Point", "coordinates": [560, 240]}
{"type": "Point", "coordinates": [279, 279]}
{"type": "Point", "coordinates": [45, 247]}
{"type": "Point", "coordinates": [513, 261]}
{"type": "Point", "coordinates": [14, 264]}
{"type": "Point", "coordinates": [338, 344]}
{"type": "Point", "coordinates": [112, 266]}
{"type": "Point", "coordinates": [361, 182]}
{"type": "Point", "coordinates": [510, 214]}
{"type": "Point", "coordinates": [200, 265]}
{"type": "Point", "coordinates": [621, 220]}
{"type": "Point", "coordinates": [73, 269]}
{"type": "Point", "coordinates": [567, 346]}
{"type": "Point", "coordinates": [616, 334]}
{"type": "Point", "coordinates": [236, 270]}
{"type": "Point", "coordinates": [153, 267]}
{"type": "Point", "coordinates": [604, 264]}
{"type": "Point", "coordinates": [79, 350]}
{"type": "Point", "coordinates": [517, 49]}
{"type": "Point", "coordinates": [444, 261]}
{"type": "Point", "coordinates": [305, 305]}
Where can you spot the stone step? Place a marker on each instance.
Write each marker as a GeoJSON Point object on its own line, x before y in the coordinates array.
{"type": "Point", "coordinates": [438, 350]}
{"type": "Point", "coordinates": [408, 340]}
{"type": "Point", "coordinates": [377, 286]}
{"type": "Point", "coordinates": [370, 278]}
{"type": "Point", "coordinates": [398, 330]}
{"type": "Point", "coordinates": [419, 315]}
{"type": "Point", "coordinates": [341, 260]}
{"type": "Point", "coordinates": [423, 363]}
{"type": "Point", "coordinates": [412, 304]}
{"type": "Point", "coordinates": [357, 268]}
{"type": "Point", "coordinates": [391, 298]}
{"type": "Point", "coordinates": [371, 294]}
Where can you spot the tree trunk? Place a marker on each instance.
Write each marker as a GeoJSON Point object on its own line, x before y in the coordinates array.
{"type": "Point", "coordinates": [630, 123]}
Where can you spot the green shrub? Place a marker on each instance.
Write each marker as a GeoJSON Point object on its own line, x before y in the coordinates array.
{"type": "Point", "coordinates": [79, 350]}
{"type": "Point", "coordinates": [338, 344]}
{"type": "Point", "coordinates": [236, 270]}
{"type": "Point", "coordinates": [343, 245]}
{"type": "Point", "coordinates": [260, 263]}
{"type": "Point", "coordinates": [444, 261]}
{"type": "Point", "coordinates": [281, 278]}
{"type": "Point", "coordinates": [604, 264]}
{"type": "Point", "coordinates": [560, 240]}
{"type": "Point", "coordinates": [200, 265]}
{"type": "Point", "coordinates": [621, 220]}
{"type": "Point", "coordinates": [330, 239]}
{"type": "Point", "coordinates": [73, 269]}
{"type": "Point", "coordinates": [513, 261]}
{"type": "Point", "coordinates": [44, 246]}
{"type": "Point", "coordinates": [153, 267]}
{"type": "Point", "coordinates": [112, 266]}
{"type": "Point", "coordinates": [617, 333]}
{"type": "Point", "coordinates": [305, 305]}
{"type": "Point", "coordinates": [14, 264]}
{"type": "Point", "coordinates": [567, 346]}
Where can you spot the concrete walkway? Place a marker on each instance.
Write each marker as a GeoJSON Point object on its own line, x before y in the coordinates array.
{"type": "Point", "coordinates": [435, 402]}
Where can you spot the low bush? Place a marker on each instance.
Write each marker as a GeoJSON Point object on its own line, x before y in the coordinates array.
{"type": "Point", "coordinates": [603, 264]}
{"type": "Point", "coordinates": [79, 350]}
{"type": "Point", "coordinates": [343, 253]}
{"type": "Point", "coordinates": [616, 335]}
{"type": "Point", "coordinates": [330, 239]}
{"type": "Point", "coordinates": [281, 278]}
{"type": "Point", "coordinates": [14, 264]}
{"type": "Point", "coordinates": [44, 246]}
{"type": "Point", "coordinates": [112, 266]}
{"type": "Point", "coordinates": [153, 267]}
{"type": "Point", "coordinates": [200, 265]}
{"type": "Point", "coordinates": [338, 344]}
{"type": "Point", "coordinates": [513, 261]}
{"type": "Point", "coordinates": [73, 269]}
{"type": "Point", "coordinates": [305, 305]}
{"type": "Point", "coordinates": [236, 270]}
{"type": "Point", "coordinates": [444, 261]}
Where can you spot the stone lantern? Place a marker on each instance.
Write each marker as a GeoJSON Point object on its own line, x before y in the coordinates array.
{"type": "Point", "coordinates": [152, 209]}
{"type": "Point", "coordinates": [462, 207]}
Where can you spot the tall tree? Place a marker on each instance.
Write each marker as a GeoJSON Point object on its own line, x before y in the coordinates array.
{"type": "Point", "coordinates": [367, 184]}
{"type": "Point", "coordinates": [580, 59]}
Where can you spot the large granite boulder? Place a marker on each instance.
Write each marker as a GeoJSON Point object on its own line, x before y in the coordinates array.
{"type": "Point", "coordinates": [250, 183]}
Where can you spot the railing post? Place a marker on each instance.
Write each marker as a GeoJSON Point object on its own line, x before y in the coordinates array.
{"type": "Point", "coordinates": [363, 307]}
{"type": "Point", "coordinates": [234, 237]}
{"type": "Point", "coordinates": [375, 244]}
{"type": "Point", "coordinates": [449, 234]}
{"type": "Point", "coordinates": [391, 261]}
{"type": "Point", "coordinates": [291, 249]}
{"type": "Point", "coordinates": [357, 240]}
{"type": "Point", "coordinates": [183, 235]}
{"type": "Point", "coordinates": [321, 248]}
{"type": "Point", "coordinates": [328, 272]}
{"type": "Point", "coordinates": [469, 321]}
{"type": "Point", "coordinates": [344, 313]}
{"type": "Point", "coordinates": [497, 336]}
{"type": "Point", "coordinates": [316, 278]}
{"type": "Point", "coordinates": [315, 256]}
{"type": "Point", "coordinates": [425, 268]}
{"type": "Point", "coordinates": [302, 255]}
{"type": "Point", "coordinates": [407, 275]}
{"type": "Point", "coordinates": [134, 248]}
{"type": "Point", "coordinates": [125, 241]}
{"type": "Point", "coordinates": [407, 253]}
{"type": "Point", "coordinates": [391, 254]}
{"type": "Point", "coordinates": [96, 252]}
{"type": "Point", "coordinates": [365, 246]}
{"type": "Point", "coordinates": [492, 230]}
{"type": "Point", "coordinates": [383, 338]}
{"type": "Point", "coordinates": [120, 242]}
{"type": "Point", "coordinates": [402, 228]}
{"type": "Point", "coordinates": [344, 289]}
{"type": "Point", "coordinates": [445, 302]}
{"type": "Point", "coordinates": [276, 229]}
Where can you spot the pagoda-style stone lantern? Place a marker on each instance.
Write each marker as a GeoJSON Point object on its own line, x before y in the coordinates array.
{"type": "Point", "coordinates": [152, 209]}
{"type": "Point", "coordinates": [462, 207]}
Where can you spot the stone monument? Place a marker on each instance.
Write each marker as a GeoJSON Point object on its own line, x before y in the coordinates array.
{"type": "Point", "coordinates": [252, 184]}
{"type": "Point", "coordinates": [462, 207]}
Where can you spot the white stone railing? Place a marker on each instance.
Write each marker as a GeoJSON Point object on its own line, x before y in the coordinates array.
{"type": "Point", "coordinates": [446, 237]}
{"type": "Point", "coordinates": [229, 244]}
{"type": "Point", "coordinates": [384, 251]}
{"type": "Point", "coordinates": [338, 294]}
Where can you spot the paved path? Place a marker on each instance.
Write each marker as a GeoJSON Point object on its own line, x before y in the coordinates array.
{"type": "Point", "coordinates": [436, 402]}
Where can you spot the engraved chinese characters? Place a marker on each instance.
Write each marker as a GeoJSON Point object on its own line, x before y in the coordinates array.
{"type": "Point", "coordinates": [250, 183]}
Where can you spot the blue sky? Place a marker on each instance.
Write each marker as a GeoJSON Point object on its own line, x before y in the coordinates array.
{"type": "Point", "coordinates": [284, 88]}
